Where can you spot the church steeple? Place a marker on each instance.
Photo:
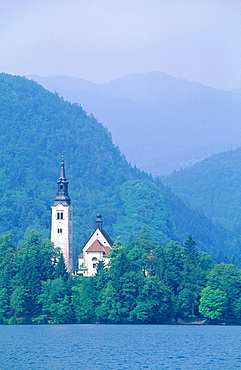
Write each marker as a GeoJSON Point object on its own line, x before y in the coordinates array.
{"type": "Point", "coordinates": [62, 194]}
{"type": "Point", "coordinates": [62, 220]}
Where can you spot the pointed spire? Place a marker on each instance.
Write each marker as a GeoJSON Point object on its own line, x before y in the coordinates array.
{"type": "Point", "coordinates": [62, 170]}
{"type": "Point", "coordinates": [62, 194]}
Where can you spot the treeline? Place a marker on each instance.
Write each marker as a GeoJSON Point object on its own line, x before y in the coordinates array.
{"type": "Point", "coordinates": [146, 282]}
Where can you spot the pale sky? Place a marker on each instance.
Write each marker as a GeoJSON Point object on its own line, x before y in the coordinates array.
{"type": "Point", "coordinates": [99, 40]}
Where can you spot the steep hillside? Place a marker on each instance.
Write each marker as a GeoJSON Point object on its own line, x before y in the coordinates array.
{"type": "Point", "coordinates": [213, 186]}
{"type": "Point", "coordinates": [35, 127]}
{"type": "Point", "coordinates": [173, 122]}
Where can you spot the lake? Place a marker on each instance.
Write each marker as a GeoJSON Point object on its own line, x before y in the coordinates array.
{"type": "Point", "coordinates": [120, 347]}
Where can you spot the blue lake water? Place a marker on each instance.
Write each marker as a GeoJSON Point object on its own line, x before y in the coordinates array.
{"type": "Point", "coordinates": [120, 347]}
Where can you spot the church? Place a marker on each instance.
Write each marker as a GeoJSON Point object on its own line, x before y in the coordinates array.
{"type": "Point", "coordinates": [97, 247]}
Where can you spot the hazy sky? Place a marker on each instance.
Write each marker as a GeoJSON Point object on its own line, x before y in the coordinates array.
{"type": "Point", "coordinates": [98, 40]}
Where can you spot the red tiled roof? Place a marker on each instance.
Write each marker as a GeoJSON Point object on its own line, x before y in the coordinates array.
{"type": "Point", "coordinates": [107, 250]}
{"type": "Point", "coordinates": [96, 247]}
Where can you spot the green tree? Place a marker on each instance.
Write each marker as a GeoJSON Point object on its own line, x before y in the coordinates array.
{"type": "Point", "coordinates": [168, 265]}
{"type": "Point", "coordinates": [213, 303]}
{"type": "Point", "coordinates": [55, 300]}
{"type": "Point", "coordinates": [7, 273]}
{"type": "Point", "coordinates": [84, 300]}
{"type": "Point", "coordinates": [34, 264]}
{"type": "Point", "coordinates": [154, 304]}
{"type": "Point", "coordinates": [18, 301]}
{"type": "Point", "coordinates": [107, 310]}
{"type": "Point", "coordinates": [227, 278]}
{"type": "Point", "coordinates": [195, 269]}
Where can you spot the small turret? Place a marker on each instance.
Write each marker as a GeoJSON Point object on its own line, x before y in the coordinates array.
{"type": "Point", "coordinates": [98, 222]}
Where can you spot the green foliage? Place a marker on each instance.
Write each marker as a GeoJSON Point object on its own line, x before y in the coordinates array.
{"type": "Point", "coordinates": [194, 276]}
{"type": "Point", "coordinates": [155, 303]}
{"type": "Point", "coordinates": [84, 300]}
{"type": "Point", "coordinates": [144, 204]}
{"type": "Point", "coordinates": [227, 278]}
{"type": "Point", "coordinates": [145, 282]}
{"type": "Point", "coordinates": [35, 127]}
{"type": "Point", "coordinates": [18, 301]}
{"type": "Point", "coordinates": [213, 303]}
{"type": "Point", "coordinates": [213, 186]}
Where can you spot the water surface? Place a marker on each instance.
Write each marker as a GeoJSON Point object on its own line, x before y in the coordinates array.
{"type": "Point", "coordinates": [120, 347]}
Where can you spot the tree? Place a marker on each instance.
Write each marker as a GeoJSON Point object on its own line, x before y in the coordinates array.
{"type": "Point", "coordinates": [107, 311]}
{"type": "Point", "coordinates": [168, 264]}
{"type": "Point", "coordinates": [84, 300]}
{"type": "Point", "coordinates": [60, 269]}
{"type": "Point", "coordinates": [56, 302]}
{"type": "Point", "coordinates": [34, 263]}
{"type": "Point", "coordinates": [227, 278]}
{"type": "Point", "coordinates": [18, 301]}
{"type": "Point", "coordinates": [213, 303]}
{"type": "Point", "coordinates": [195, 268]}
{"type": "Point", "coordinates": [155, 303]}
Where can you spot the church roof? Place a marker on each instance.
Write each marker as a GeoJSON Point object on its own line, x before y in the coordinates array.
{"type": "Point", "coordinates": [97, 246]}
{"type": "Point", "coordinates": [109, 240]}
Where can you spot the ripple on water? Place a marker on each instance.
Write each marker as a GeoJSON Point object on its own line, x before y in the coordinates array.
{"type": "Point", "coordinates": [120, 347]}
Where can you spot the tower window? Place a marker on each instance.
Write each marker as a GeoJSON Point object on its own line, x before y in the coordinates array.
{"type": "Point", "coordinates": [59, 231]}
{"type": "Point", "coordinates": [94, 259]}
{"type": "Point", "coordinates": [60, 215]}
{"type": "Point", "coordinates": [61, 187]}
{"type": "Point", "coordinates": [94, 265]}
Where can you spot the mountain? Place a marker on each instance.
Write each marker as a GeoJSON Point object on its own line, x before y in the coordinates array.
{"type": "Point", "coordinates": [214, 187]}
{"type": "Point", "coordinates": [35, 127]}
{"type": "Point", "coordinates": [159, 122]}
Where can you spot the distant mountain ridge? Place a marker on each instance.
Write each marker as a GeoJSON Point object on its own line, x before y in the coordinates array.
{"type": "Point", "coordinates": [35, 126]}
{"type": "Point", "coordinates": [214, 187]}
{"type": "Point", "coordinates": [160, 123]}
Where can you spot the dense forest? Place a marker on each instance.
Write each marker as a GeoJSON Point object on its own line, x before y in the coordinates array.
{"type": "Point", "coordinates": [214, 187]}
{"type": "Point", "coordinates": [36, 126]}
{"type": "Point", "coordinates": [146, 282]}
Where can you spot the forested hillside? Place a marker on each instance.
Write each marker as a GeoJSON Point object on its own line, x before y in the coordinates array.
{"type": "Point", "coordinates": [173, 122]}
{"type": "Point", "coordinates": [213, 186]}
{"type": "Point", "coordinates": [36, 126]}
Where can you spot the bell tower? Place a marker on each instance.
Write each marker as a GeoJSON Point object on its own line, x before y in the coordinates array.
{"type": "Point", "coordinates": [62, 220]}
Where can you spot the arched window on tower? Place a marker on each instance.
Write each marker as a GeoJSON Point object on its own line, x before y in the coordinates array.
{"type": "Point", "coordinates": [60, 215]}
{"type": "Point", "coordinates": [94, 259]}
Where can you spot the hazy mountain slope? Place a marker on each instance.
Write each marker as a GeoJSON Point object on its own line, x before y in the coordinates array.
{"type": "Point", "coordinates": [35, 127]}
{"type": "Point", "coordinates": [159, 122]}
{"type": "Point", "coordinates": [213, 186]}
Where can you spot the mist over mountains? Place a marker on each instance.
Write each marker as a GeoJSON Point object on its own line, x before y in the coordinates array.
{"type": "Point", "coordinates": [159, 122]}
{"type": "Point", "coordinates": [214, 187]}
{"type": "Point", "coordinates": [35, 127]}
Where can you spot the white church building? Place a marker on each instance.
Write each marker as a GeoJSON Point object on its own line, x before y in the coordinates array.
{"type": "Point", "coordinates": [97, 247]}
